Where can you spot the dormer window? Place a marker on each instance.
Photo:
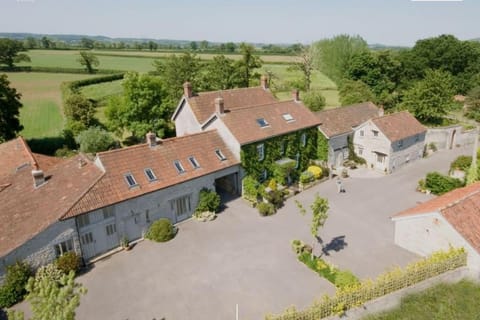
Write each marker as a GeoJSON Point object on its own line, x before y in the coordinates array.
{"type": "Point", "coordinates": [262, 122]}
{"type": "Point", "coordinates": [288, 117]}
{"type": "Point", "coordinates": [130, 180]}
{"type": "Point", "coordinates": [194, 162]}
{"type": "Point", "coordinates": [150, 175]}
{"type": "Point", "coordinates": [178, 166]}
{"type": "Point", "coordinates": [220, 155]}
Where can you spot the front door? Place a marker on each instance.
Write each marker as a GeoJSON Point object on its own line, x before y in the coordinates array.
{"type": "Point", "coordinates": [88, 245]}
{"type": "Point", "coordinates": [182, 207]}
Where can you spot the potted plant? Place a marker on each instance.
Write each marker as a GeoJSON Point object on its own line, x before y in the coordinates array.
{"type": "Point", "coordinates": [125, 243]}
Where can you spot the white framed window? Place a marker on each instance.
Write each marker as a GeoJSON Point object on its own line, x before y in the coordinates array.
{"type": "Point", "coordinates": [303, 139]}
{"type": "Point", "coordinates": [282, 147]}
{"type": "Point", "coordinates": [150, 174]}
{"type": "Point", "coordinates": [375, 133]}
{"type": "Point", "coordinates": [262, 122]}
{"type": "Point", "coordinates": [220, 155]}
{"type": "Point", "coordinates": [297, 159]}
{"type": "Point", "coordinates": [264, 175]}
{"type": "Point", "coordinates": [261, 151]}
{"type": "Point", "coordinates": [130, 180]}
{"type": "Point", "coordinates": [380, 158]}
{"type": "Point", "coordinates": [64, 247]}
{"type": "Point", "coordinates": [87, 238]}
{"type": "Point", "coordinates": [360, 151]}
{"type": "Point", "coordinates": [83, 220]}
{"type": "Point", "coordinates": [108, 212]}
{"type": "Point", "coordinates": [193, 161]}
{"type": "Point", "coordinates": [110, 229]}
{"type": "Point", "coordinates": [362, 133]}
{"type": "Point", "coordinates": [178, 166]}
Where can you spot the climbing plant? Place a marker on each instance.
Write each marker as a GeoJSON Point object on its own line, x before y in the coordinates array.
{"type": "Point", "coordinates": [322, 147]}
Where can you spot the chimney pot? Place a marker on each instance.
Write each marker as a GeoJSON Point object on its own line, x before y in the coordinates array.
{"type": "Point", "coordinates": [151, 139]}
{"type": "Point", "coordinates": [264, 82]}
{"type": "Point", "coordinates": [187, 89]}
{"type": "Point", "coordinates": [38, 178]}
{"type": "Point", "coordinates": [296, 95]}
{"type": "Point", "coordinates": [381, 111]}
{"type": "Point", "coordinates": [219, 105]}
{"type": "Point", "coordinates": [81, 162]}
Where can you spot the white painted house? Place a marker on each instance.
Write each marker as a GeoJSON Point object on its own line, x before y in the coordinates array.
{"type": "Point", "coordinates": [390, 141]}
{"type": "Point", "coordinates": [452, 219]}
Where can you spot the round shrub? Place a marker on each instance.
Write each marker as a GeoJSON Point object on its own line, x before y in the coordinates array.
{"type": "Point", "coordinates": [440, 184]}
{"type": "Point", "coordinates": [306, 177]}
{"type": "Point", "coordinates": [67, 262]}
{"type": "Point", "coordinates": [316, 171]}
{"type": "Point", "coordinates": [50, 272]}
{"type": "Point", "coordinates": [13, 288]}
{"type": "Point", "coordinates": [208, 200]}
{"type": "Point", "coordinates": [160, 231]}
{"type": "Point", "coordinates": [266, 209]}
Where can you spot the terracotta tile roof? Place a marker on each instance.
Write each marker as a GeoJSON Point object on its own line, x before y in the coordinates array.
{"type": "Point", "coordinates": [26, 211]}
{"type": "Point", "coordinates": [113, 188]}
{"type": "Point", "coordinates": [343, 119]}
{"type": "Point", "coordinates": [14, 154]}
{"type": "Point", "coordinates": [242, 122]}
{"type": "Point", "coordinates": [460, 207]}
{"type": "Point", "coordinates": [400, 125]}
{"type": "Point", "coordinates": [203, 104]}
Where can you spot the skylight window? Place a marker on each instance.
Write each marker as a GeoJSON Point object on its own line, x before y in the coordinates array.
{"type": "Point", "coordinates": [194, 162]}
{"type": "Point", "coordinates": [150, 175]}
{"type": "Point", "coordinates": [220, 155]}
{"type": "Point", "coordinates": [130, 180]}
{"type": "Point", "coordinates": [178, 166]}
{"type": "Point", "coordinates": [288, 117]}
{"type": "Point", "coordinates": [262, 122]}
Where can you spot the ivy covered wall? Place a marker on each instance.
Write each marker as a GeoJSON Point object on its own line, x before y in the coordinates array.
{"type": "Point", "coordinates": [290, 144]}
{"type": "Point", "coordinates": [322, 147]}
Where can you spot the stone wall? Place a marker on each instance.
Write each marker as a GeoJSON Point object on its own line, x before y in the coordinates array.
{"type": "Point", "coordinates": [450, 137]}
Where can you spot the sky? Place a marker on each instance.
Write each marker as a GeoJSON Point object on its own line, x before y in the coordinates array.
{"type": "Point", "coordinates": [389, 22]}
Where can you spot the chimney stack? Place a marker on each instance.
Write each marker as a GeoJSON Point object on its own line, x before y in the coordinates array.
{"type": "Point", "coordinates": [381, 111]}
{"type": "Point", "coordinates": [187, 90]}
{"type": "Point", "coordinates": [296, 95]}
{"type": "Point", "coordinates": [219, 105]}
{"type": "Point", "coordinates": [81, 162]}
{"type": "Point", "coordinates": [38, 177]}
{"type": "Point", "coordinates": [264, 82]}
{"type": "Point", "coordinates": [151, 139]}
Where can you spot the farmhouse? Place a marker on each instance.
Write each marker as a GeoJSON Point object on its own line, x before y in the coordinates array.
{"type": "Point", "coordinates": [336, 125]}
{"type": "Point", "coordinates": [258, 129]}
{"type": "Point", "coordinates": [452, 219]}
{"type": "Point", "coordinates": [391, 141]}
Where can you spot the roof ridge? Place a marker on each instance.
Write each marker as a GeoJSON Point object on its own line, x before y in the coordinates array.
{"type": "Point", "coordinates": [465, 197]}
{"type": "Point", "coordinates": [224, 90]}
{"type": "Point", "coordinates": [393, 114]}
{"type": "Point", "coordinates": [265, 105]}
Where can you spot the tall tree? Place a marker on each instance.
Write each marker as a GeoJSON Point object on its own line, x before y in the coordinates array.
{"type": "Point", "coordinates": [80, 112]}
{"type": "Point", "coordinates": [473, 104]}
{"type": "Point", "coordinates": [352, 92]}
{"type": "Point", "coordinates": [9, 110]}
{"type": "Point", "coordinates": [175, 71]}
{"type": "Point", "coordinates": [94, 139]}
{"type": "Point", "coordinates": [430, 99]}
{"type": "Point", "coordinates": [305, 65]}
{"type": "Point", "coordinates": [218, 74]}
{"type": "Point", "coordinates": [319, 209]}
{"type": "Point", "coordinates": [314, 100]}
{"type": "Point", "coordinates": [333, 56]}
{"type": "Point", "coordinates": [247, 64]}
{"type": "Point", "coordinates": [11, 52]}
{"type": "Point", "coordinates": [89, 60]}
{"type": "Point", "coordinates": [142, 107]}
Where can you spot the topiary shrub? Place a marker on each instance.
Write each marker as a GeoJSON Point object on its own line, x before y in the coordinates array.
{"type": "Point", "coordinates": [439, 184]}
{"type": "Point", "coordinates": [161, 230]}
{"type": "Point", "coordinates": [265, 209]}
{"type": "Point", "coordinates": [69, 261]}
{"type": "Point", "coordinates": [316, 171]}
{"type": "Point", "coordinates": [13, 288]}
{"type": "Point", "coordinates": [208, 200]}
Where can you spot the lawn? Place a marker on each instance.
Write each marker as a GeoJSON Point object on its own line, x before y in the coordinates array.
{"type": "Point", "coordinates": [41, 114]}
{"type": "Point", "coordinates": [444, 301]}
{"type": "Point", "coordinates": [101, 93]}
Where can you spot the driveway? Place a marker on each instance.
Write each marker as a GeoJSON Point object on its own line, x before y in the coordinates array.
{"type": "Point", "coordinates": [242, 258]}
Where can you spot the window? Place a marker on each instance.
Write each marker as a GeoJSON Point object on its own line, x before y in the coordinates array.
{"type": "Point", "coordinates": [111, 229]}
{"type": "Point", "coordinates": [181, 205]}
{"type": "Point", "coordinates": [375, 133]}
{"type": "Point", "coordinates": [380, 158]}
{"type": "Point", "coordinates": [147, 217]}
{"type": "Point", "coordinates": [261, 152]}
{"type": "Point", "coordinates": [360, 151]}
{"type": "Point", "coordinates": [87, 238]}
{"type": "Point", "coordinates": [303, 139]}
{"type": "Point", "coordinates": [297, 158]}
{"type": "Point", "coordinates": [288, 117]}
{"type": "Point", "coordinates": [220, 155]}
{"type": "Point", "coordinates": [64, 247]}
{"type": "Point", "coordinates": [178, 166]}
{"type": "Point", "coordinates": [282, 148]}
{"type": "Point", "coordinates": [417, 137]}
{"type": "Point", "coordinates": [194, 162]}
{"type": "Point", "coordinates": [108, 212]}
{"type": "Point", "coordinates": [262, 122]}
{"type": "Point", "coordinates": [150, 175]}
{"type": "Point", "coordinates": [362, 133]}
{"type": "Point", "coordinates": [130, 180]}
{"type": "Point", "coordinates": [83, 220]}
{"type": "Point", "coordinates": [264, 175]}
{"type": "Point", "coordinates": [400, 143]}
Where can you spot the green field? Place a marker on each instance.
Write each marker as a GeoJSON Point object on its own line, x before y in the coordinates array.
{"type": "Point", "coordinates": [41, 114]}
{"type": "Point", "coordinates": [442, 302]}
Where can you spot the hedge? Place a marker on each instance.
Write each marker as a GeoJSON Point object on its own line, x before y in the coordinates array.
{"type": "Point", "coordinates": [439, 184]}
{"type": "Point", "coordinates": [353, 296]}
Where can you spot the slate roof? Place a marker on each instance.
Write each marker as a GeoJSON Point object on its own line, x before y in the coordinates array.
{"type": "Point", "coordinates": [203, 103]}
{"type": "Point", "coordinates": [113, 188]}
{"type": "Point", "coordinates": [399, 125]}
{"type": "Point", "coordinates": [341, 120]}
{"type": "Point", "coordinates": [242, 122]}
{"type": "Point", "coordinates": [25, 210]}
{"type": "Point", "coordinates": [460, 207]}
